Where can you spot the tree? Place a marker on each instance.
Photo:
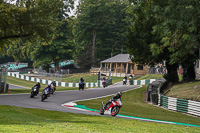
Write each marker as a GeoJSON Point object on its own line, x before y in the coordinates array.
{"type": "Point", "coordinates": [59, 34]}
{"type": "Point", "coordinates": [61, 47]}
{"type": "Point", "coordinates": [100, 24]}
{"type": "Point", "coordinates": [24, 19]}
{"type": "Point", "coordinates": [165, 31]}
{"type": "Point", "coordinates": [179, 32]}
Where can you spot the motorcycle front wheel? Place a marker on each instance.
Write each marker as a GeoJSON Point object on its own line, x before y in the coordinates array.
{"type": "Point", "coordinates": [43, 97]}
{"type": "Point", "coordinates": [115, 111]}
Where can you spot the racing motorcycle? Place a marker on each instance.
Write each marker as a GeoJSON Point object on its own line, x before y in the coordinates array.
{"type": "Point", "coordinates": [104, 83]}
{"type": "Point", "coordinates": [124, 81]}
{"type": "Point", "coordinates": [112, 106]}
{"type": "Point", "coordinates": [33, 92]}
{"type": "Point", "coordinates": [81, 85]}
{"type": "Point", "coordinates": [45, 94]}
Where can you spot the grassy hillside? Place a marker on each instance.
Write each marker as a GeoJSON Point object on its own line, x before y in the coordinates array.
{"type": "Point", "coordinates": [23, 120]}
{"type": "Point", "coordinates": [186, 90]}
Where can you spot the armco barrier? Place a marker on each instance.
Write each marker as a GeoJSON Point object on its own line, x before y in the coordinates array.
{"type": "Point", "coordinates": [180, 105]}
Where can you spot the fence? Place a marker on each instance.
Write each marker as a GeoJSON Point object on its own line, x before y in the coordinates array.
{"type": "Point", "coordinates": [180, 105]}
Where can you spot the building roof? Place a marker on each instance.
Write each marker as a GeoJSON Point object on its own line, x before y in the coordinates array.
{"type": "Point", "coordinates": [120, 58]}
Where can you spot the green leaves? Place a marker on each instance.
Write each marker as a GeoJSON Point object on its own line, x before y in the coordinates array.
{"type": "Point", "coordinates": [27, 19]}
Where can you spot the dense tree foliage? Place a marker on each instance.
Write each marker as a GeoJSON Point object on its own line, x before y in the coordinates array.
{"type": "Point", "coordinates": [26, 19]}
{"type": "Point", "coordinates": [100, 28]}
{"type": "Point", "coordinates": [59, 48]}
{"type": "Point", "coordinates": [164, 30]}
{"type": "Point", "coordinates": [152, 31]}
{"type": "Point", "coordinates": [54, 39]}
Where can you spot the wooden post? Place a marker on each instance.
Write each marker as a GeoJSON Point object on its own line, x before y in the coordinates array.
{"type": "Point", "coordinates": [121, 70]}
{"type": "Point", "coordinates": [100, 65]}
{"type": "Point", "coordinates": [110, 68]}
{"type": "Point", "coordinates": [116, 70]}
{"type": "Point", "coordinates": [126, 68]}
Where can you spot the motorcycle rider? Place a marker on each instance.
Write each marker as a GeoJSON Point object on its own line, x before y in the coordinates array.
{"type": "Point", "coordinates": [37, 87]}
{"type": "Point", "coordinates": [48, 88]}
{"type": "Point", "coordinates": [54, 84]}
{"type": "Point", "coordinates": [114, 98]}
{"type": "Point", "coordinates": [81, 82]}
{"type": "Point", "coordinates": [124, 80]}
{"type": "Point", "coordinates": [130, 79]}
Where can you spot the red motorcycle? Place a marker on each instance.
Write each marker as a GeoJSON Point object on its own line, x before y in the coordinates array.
{"type": "Point", "coordinates": [112, 106]}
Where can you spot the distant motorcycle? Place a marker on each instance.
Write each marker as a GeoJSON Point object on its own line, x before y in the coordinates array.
{"type": "Point", "coordinates": [112, 106]}
{"type": "Point", "coordinates": [124, 81]}
{"type": "Point", "coordinates": [81, 85]}
{"type": "Point", "coordinates": [130, 80]}
{"type": "Point", "coordinates": [33, 92]}
{"type": "Point", "coordinates": [104, 83]}
{"type": "Point", "coordinates": [45, 94]}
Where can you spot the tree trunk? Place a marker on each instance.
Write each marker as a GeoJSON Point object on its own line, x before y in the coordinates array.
{"type": "Point", "coordinates": [93, 46]}
{"type": "Point", "coordinates": [56, 65]}
{"type": "Point", "coordinates": [172, 74]}
{"type": "Point", "coordinates": [189, 71]}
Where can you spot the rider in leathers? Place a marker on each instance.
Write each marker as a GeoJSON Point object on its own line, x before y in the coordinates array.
{"type": "Point", "coordinates": [114, 98]}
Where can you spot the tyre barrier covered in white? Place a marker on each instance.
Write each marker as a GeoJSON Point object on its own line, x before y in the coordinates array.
{"type": "Point", "coordinates": [180, 105]}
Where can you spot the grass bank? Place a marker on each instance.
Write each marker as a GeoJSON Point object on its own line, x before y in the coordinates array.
{"type": "Point", "coordinates": [23, 120]}
{"type": "Point", "coordinates": [134, 105]}
{"type": "Point", "coordinates": [186, 90]}
{"type": "Point", "coordinates": [30, 84]}
{"type": "Point", "coordinates": [74, 78]}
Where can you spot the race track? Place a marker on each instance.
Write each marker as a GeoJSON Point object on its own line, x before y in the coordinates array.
{"type": "Point", "coordinates": [55, 101]}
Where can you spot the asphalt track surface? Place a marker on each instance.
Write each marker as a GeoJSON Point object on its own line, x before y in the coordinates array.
{"type": "Point", "coordinates": [55, 101]}
{"type": "Point", "coordinates": [11, 86]}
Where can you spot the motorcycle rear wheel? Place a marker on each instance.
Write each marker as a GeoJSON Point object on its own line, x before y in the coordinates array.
{"type": "Point", "coordinates": [115, 111]}
{"type": "Point", "coordinates": [102, 111]}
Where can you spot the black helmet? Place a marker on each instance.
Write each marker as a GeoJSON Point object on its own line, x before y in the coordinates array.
{"type": "Point", "coordinates": [119, 94]}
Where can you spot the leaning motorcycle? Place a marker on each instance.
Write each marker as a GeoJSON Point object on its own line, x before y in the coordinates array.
{"type": "Point", "coordinates": [44, 95]}
{"type": "Point", "coordinates": [112, 106]}
{"type": "Point", "coordinates": [33, 92]}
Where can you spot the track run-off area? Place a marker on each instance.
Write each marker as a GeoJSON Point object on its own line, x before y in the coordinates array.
{"type": "Point", "coordinates": [65, 101]}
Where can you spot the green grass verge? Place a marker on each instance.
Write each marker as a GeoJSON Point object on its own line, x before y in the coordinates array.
{"type": "Point", "coordinates": [156, 76]}
{"type": "Point", "coordinates": [23, 120]}
{"type": "Point", "coordinates": [74, 78]}
{"type": "Point", "coordinates": [151, 76]}
{"type": "Point", "coordinates": [186, 90]}
{"type": "Point", "coordinates": [134, 105]}
{"type": "Point", "coordinates": [30, 84]}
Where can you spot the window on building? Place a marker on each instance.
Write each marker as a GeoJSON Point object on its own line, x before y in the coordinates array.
{"type": "Point", "coordinates": [139, 67]}
{"type": "Point", "coordinates": [132, 66]}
